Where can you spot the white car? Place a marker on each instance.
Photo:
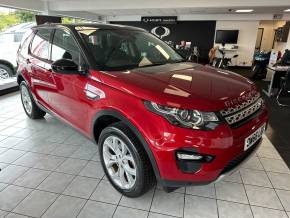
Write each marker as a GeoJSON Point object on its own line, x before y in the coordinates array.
{"type": "Point", "coordinates": [9, 43]}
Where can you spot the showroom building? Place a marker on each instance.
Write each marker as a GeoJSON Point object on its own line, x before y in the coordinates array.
{"type": "Point", "coordinates": [144, 109]}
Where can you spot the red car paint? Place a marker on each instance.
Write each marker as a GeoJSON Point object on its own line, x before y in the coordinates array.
{"type": "Point", "coordinates": [181, 85]}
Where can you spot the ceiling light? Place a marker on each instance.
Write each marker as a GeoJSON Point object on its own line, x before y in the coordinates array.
{"type": "Point", "coordinates": [244, 10]}
{"type": "Point", "coordinates": [287, 10]}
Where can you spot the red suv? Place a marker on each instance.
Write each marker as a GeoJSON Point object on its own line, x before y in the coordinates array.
{"type": "Point", "coordinates": [154, 116]}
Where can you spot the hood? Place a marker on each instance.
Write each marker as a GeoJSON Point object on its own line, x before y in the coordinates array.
{"type": "Point", "coordinates": [183, 85]}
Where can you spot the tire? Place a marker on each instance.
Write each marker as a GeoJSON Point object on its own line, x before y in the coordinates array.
{"type": "Point", "coordinates": [5, 71]}
{"type": "Point", "coordinates": [28, 103]}
{"type": "Point", "coordinates": [144, 176]}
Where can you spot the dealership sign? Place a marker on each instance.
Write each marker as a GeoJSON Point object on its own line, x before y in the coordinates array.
{"type": "Point", "coordinates": [160, 31]}
{"type": "Point", "coordinates": [160, 20]}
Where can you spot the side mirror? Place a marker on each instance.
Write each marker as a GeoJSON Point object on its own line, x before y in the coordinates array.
{"type": "Point", "coordinates": [67, 66]}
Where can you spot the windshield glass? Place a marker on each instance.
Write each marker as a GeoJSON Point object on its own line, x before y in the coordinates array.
{"type": "Point", "coordinates": [126, 49]}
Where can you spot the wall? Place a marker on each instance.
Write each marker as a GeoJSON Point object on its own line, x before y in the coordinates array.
{"type": "Point", "coordinates": [246, 40]}
{"type": "Point", "coordinates": [287, 46]}
{"type": "Point", "coordinates": [269, 34]}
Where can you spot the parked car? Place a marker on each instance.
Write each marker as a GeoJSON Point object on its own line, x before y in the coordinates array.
{"type": "Point", "coordinates": [153, 116]}
{"type": "Point", "coordinates": [9, 42]}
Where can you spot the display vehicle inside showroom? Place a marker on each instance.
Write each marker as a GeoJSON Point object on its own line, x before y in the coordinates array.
{"type": "Point", "coordinates": [144, 110]}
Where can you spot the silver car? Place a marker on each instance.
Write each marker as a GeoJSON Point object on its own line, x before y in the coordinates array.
{"type": "Point", "coordinates": [9, 42]}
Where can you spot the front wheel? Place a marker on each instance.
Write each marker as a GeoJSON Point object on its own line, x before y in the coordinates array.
{"type": "Point", "coordinates": [124, 161]}
{"type": "Point", "coordinates": [29, 106]}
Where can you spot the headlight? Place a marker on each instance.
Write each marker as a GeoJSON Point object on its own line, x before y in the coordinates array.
{"type": "Point", "coordinates": [185, 118]}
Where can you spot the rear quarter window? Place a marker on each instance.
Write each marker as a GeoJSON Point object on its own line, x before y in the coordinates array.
{"type": "Point", "coordinates": [24, 45]}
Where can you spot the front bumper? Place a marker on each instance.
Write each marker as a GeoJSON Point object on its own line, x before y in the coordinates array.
{"type": "Point", "coordinates": [229, 169]}
{"type": "Point", "coordinates": [236, 163]}
{"type": "Point", "coordinates": [225, 144]}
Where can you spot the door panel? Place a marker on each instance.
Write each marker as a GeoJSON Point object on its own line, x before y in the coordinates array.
{"type": "Point", "coordinates": [69, 100]}
{"type": "Point", "coordinates": [41, 78]}
{"type": "Point", "coordinates": [42, 81]}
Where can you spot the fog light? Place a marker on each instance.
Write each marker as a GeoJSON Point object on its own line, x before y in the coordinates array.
{"type": "Point", "coordinates": [190, 161]}
{"type": "Point", "coordinates": [183, 156]}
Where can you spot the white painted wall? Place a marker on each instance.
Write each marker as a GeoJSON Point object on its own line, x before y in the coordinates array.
{"type": "Point", "coordinates": [268, 34]}
{"type": "Point", "coordinates": [246, 40]}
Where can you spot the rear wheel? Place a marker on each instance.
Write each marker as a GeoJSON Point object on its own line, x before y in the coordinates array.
{"type": "Point", "coordinates": [30, 107]}
{"type": "Point", "coordinates": [124, 161]}
{"type": "Point", "coordinates": [5, 71]}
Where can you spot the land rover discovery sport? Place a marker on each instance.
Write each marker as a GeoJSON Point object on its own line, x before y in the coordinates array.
{"type": "Point", "coordinates": [154, 116]}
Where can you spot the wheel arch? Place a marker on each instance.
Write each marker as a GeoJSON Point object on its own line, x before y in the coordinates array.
{"type": "Point", "coordinates": [20, 78]}
{"type": "Point", "coordinates": [116, 116]}
{"type": "Point", "coordinates": [8, 64]}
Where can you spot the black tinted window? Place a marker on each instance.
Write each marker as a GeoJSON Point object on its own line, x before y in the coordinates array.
{"type": "Point", "coordinates": [64, 46]}
{"type": "Point", "coordinates": [40, 44]}
{"type": "Point", "coordinates": [124, 49]}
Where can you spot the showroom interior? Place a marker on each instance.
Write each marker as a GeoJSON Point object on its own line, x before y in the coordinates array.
{"type": "Point", "coordinates": [51, 167]}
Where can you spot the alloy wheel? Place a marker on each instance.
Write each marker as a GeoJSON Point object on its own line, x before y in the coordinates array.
{"type": "Point", "coordinates": [26, 100]}
{"type": "Point", "coordinates": [119, 162]}
{"type": "Point", "coordinates": [4, 74]}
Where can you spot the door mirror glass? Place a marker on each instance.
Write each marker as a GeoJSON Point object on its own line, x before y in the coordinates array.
{"type": "Point", "coordinates": [65, 66]}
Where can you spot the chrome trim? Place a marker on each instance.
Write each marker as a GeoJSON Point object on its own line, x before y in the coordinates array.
{"type": "Point", "coordinates": [91, 95]}
{"type": "Point", "coordinates": [222, 176]}
{"type": "Point", "coordinates": [231, 119]}
{"type": "Point", "coordinates": [93, 92]}
{"type": "Point", "coordinates": [241, 106]}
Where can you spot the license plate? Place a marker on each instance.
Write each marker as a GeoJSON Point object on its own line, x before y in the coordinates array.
{"type": "Point", "coordinates": [254, 137]}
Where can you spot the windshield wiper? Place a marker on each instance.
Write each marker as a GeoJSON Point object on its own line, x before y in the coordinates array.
{"type": "Point", "coordinates": [178, 61]}
{"type": "Point", "coordinates": [121, 67]}
{"type": "Point", "coordinates": [152, 65]}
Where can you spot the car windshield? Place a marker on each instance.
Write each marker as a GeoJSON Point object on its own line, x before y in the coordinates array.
{"type": "Point", "coordinates": [126, 49]}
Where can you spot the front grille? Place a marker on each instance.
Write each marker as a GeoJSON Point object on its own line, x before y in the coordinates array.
{"type": "Point", "coordinates": [245, 111]}
{"type": "Point", "coordinates": [241, 106]}
{"type": "Point", "coordinates": [232, 119]}
{"type": "Point", "coordinates": [235, 162]}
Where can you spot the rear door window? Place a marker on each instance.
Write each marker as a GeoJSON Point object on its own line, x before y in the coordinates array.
{"type": "Point", "coordinates": [40, 44]}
